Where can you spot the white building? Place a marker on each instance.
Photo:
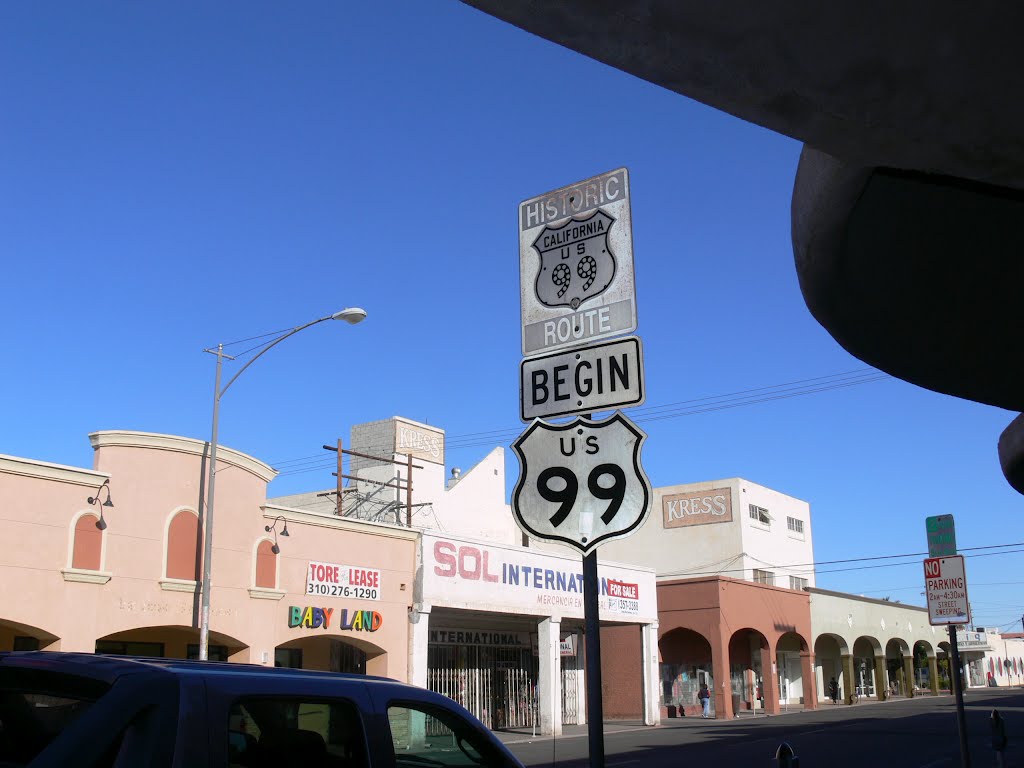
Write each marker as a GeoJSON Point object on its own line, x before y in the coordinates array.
{"type": "Point", "coordinates": [990, 658]}
{"type": "Point", "coordinates": [497, 626]}
{"type": "Point", "coordinates": [730, 527]}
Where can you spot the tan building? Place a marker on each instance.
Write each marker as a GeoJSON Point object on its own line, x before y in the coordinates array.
{"type": "Point", "coordinates": [108, 559]}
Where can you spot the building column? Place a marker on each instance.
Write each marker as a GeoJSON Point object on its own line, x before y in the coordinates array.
{"type": "Point", "coordinates": [849, 681]}
{"type": "Point", "coordinates": [419, 638]}
{"type": "Point", "coordinates": [651, 673]}
{"type": "Point", "coordinates": [881, 679]}
{"type": "Point", "coordinates": [549, 677]}
{"type": "Point", "coordinates": [908, 674]}
{"type": "Point", "coordinates": [807, 672]}
{"type": "Point", "coordinates": [933, 674]}
{"type": "Point", "coordinates": [721, 690]}
{"type": "Point", "coordinates": [581, 682]}
{"type": "Point", "coordinates": [770, 681]}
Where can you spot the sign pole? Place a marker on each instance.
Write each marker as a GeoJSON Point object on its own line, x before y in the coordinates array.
{"type": "Point", "coordinates": [592, 623]}
{"type": "Point", "coordinates": [958, 691]}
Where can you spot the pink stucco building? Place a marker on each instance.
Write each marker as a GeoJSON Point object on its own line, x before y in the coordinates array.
{"type": "Point", "coordinates": [80, 574]}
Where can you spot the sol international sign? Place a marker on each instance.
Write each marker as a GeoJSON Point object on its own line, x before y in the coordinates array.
{"type": "Point", "coordinates": [946, 586]}
{"type": "Point", "coordinates": [576, 264]}
{"type": "Point", "coordinates": [680, 510]}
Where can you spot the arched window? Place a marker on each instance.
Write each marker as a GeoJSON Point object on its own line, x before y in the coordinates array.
{"type": "Point", "coordinates": [183, 546]}
{"type": "Point", "coordinates": [87, 544]}
{"type": "Point", "coordinates": [266, 565]}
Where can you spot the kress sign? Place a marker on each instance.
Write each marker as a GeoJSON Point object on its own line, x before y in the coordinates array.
{"type": "Point", "coordinates": [697, 508]}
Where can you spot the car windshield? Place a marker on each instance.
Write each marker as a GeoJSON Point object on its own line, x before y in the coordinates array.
{"type": "Point", "coordinates": [35, 706]}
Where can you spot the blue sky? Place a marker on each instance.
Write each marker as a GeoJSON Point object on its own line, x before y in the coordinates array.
{"type": "Point", "coordinates": [177, 175]}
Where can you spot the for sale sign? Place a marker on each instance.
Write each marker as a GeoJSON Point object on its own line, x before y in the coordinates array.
{"type": "Point", "coordinates": [946, 587]}
{"type": "Point", "coordinates": [349, 581]}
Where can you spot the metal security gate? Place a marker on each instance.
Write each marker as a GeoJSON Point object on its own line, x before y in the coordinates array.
{"type": "Point", "coordinates": [570, 691]}
{"type": "Point", "coordinates": [496, 684]}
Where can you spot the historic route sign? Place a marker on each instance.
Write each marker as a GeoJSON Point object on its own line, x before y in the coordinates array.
{"type": "Point", "coordinates": [946, 586]}
{"type": "Point", "coordinates": [941, 535]}
{"type": "Point", "coordinates": [599, 377]}
{"type": "Point", "coordinates": [581, 483]}
{"type": "Point", "coordinates": [576, 264]}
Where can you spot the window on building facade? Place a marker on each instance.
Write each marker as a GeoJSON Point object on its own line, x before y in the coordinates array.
{"type": "Point", "coordinates": [213, 652]}
{"type": "Point", "coordinates": [764, 577]}
{"type": "Point", "coordinates": [183, 546]}
{"type": "Point", "coordinates": [129, 648]}
{"type": "Point", "coordinates": [87, 544]}
{"type": "Point", "coordinates": [760, 514]}
{"type": "Point", "coordinates": [797, 526]}
{"type": "Point", "coordinates": [266, 565]}
{"type": "Point", "coordinates": [795, 582]}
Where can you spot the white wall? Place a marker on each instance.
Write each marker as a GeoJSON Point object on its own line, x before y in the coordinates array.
{"type": "Point", "coordinates": [774, 547]}
{"type": "Point", "coordinates": [474, 506]}
{"type": "Point", "coordinates": [710, 544]}
{"type": "Point", "coordinates": [684, 551]}
{"type": "Point", "coordinates": [850, 617]}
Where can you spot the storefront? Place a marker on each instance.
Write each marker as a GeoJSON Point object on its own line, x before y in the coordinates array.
{"type": "Point", "coordinates": [748, 642]}
{"type": "Point", "coordinates": [114, 565]}
{"type": "Point", "coordinates": [500, 630]}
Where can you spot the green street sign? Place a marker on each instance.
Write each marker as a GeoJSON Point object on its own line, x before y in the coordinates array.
{"type": "Point", "coordinates": [941, 536]}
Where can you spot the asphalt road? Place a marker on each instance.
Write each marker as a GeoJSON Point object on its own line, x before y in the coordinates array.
{"type": "Point", "coordinates": [916, 733]}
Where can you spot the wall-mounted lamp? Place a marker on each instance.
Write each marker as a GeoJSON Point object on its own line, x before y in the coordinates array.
{"type": "Point", "coordinates": [101, 523]}
{"type": "Point", "coordinates": [284, 532]}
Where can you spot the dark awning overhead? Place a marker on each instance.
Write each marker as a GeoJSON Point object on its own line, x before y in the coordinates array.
{"type": "Point", "coordinates": [908, 217]}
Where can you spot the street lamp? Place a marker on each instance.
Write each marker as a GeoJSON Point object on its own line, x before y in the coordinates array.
{"type": "Point", "coordinates": [350, 315]}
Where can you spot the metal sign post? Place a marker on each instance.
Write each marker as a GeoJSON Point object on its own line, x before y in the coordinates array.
{"type": "Point", "coordinates": [946, 588]}
{"type": "Point", "coordinates": [580, 483]}
{"type": "Point", "coordinates": [958, 692]}
{"type": "Point", "coordinates": [592, 628]}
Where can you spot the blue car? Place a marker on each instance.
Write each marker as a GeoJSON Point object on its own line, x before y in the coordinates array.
{"type": "Point", "coordinates": [75, 709]}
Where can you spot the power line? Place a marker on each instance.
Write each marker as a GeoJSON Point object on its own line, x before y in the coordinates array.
{"type": "Point", "coordinates": [695, 406]}
{"type": "Point", "coordinates": [813, 566]}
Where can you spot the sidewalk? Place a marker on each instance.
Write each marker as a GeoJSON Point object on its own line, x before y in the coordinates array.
{"type": "Point", "coordinates": [527, 735]}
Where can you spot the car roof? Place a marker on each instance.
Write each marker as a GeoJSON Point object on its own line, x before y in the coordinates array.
{"type": "Point", "coordinates": [109, 668]}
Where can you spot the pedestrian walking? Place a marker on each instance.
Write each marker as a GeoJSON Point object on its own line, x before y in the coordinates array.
{"type": "Point", "coordinates": [833, 690]}
{"type": "Point", "coordinates": [704, 697]}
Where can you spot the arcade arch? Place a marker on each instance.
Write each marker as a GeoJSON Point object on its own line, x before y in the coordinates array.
{"type": "Point", "coordinates": [332, 653]}
{"type": "Point", "coordinates": [15, 636]}
{"type": "Point", "coordinates": [830, 651]}
{"type": "Point", "coordinates": [751, 683]}
{"type": "Point", "coordinates": [793, 662]}
{"type": "Point", "coordinates": [899, 666]}
{"type": "Point", "coordinates": [172, 642]}
{"type": "Point", "coordinates": [686, 662]}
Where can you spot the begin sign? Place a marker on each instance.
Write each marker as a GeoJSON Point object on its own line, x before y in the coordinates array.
{"type": "Point", "coordinates": [596, 378]}
{"type": "Point", "coordinates": [946, 586]}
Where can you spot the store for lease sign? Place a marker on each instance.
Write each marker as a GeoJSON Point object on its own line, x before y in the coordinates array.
{"type": "Point", "coordinates": [348, 581]}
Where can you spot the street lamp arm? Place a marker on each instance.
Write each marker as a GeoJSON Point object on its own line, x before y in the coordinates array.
{"type": "Point", "coordinates": [267, 348]}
